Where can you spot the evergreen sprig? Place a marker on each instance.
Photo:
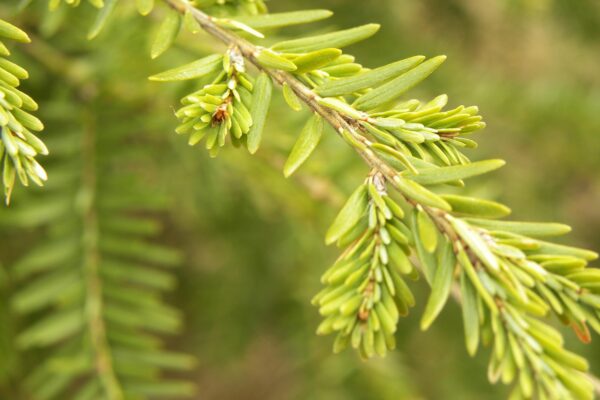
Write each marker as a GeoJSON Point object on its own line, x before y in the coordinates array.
{"type": "Point", "coordinates": [19, 146]}
{"type": "Point", "coordinates": [401, 219]}
{"type": "Point", "coordinates": [220, 109]}
{"type": "Point", "coordinates": [366, 292]}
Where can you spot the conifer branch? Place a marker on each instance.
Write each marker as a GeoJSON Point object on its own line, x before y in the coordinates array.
{"type": "Point", "coordinates": [496, 276]}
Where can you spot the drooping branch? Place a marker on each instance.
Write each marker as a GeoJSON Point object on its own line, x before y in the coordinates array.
{"type": "Point", "coordinates": [486, 266]}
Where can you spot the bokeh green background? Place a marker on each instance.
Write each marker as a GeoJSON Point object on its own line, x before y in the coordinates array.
{"type": "Point", "coordinates": [252, 242]}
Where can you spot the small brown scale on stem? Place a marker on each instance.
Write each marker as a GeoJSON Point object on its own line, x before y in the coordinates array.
{"type": "Point", "coordinates": [363, 313]}
{"type": "Point", "coordinates": [221, 113]}
{"type": "Point", "coordinates": [448, 135]}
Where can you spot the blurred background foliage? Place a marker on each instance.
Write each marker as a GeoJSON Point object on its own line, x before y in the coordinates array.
{"type": "Point", "coordinates": [252, 242]}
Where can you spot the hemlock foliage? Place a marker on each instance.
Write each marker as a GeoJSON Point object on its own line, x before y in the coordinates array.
{"type": "Point", "coordinates": [89, 295]}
